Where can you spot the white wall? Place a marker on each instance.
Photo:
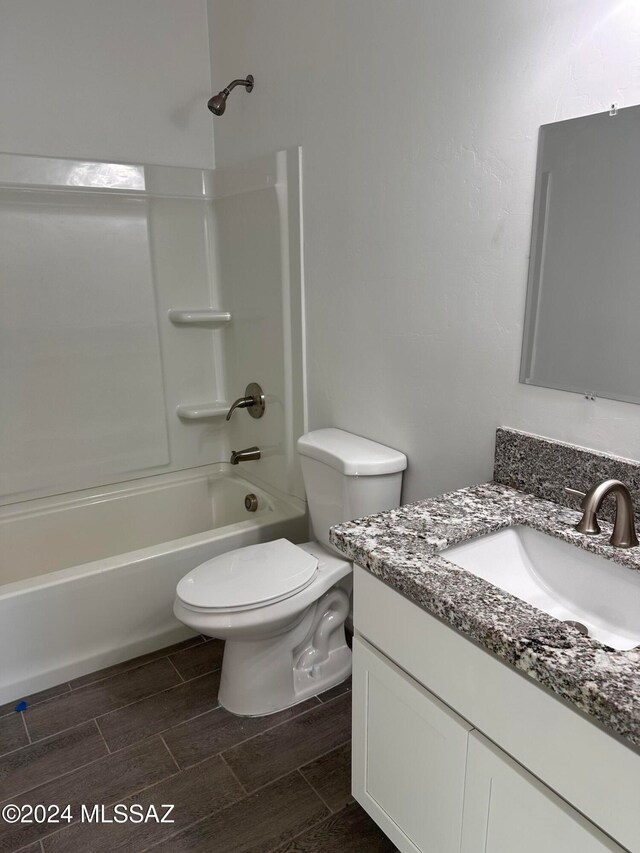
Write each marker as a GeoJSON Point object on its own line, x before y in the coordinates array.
{"type": "Point", "coordinates": [106, 79]}
{"type": "Point", "coordinates": [418, 121]}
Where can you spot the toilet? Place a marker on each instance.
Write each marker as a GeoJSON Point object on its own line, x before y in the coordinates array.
{"type": "Point", "coordinates": [281, 607]}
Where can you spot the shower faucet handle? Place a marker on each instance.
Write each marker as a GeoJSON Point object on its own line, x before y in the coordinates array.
{"type": "Point", "coordinates": [253, 401]}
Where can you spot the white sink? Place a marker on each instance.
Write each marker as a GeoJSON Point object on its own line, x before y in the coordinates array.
{"type": "Point", "coordinates": [559, 578]}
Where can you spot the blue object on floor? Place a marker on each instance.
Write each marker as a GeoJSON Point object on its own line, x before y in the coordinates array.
{"type": "Point", "coordinates": [21, 706]}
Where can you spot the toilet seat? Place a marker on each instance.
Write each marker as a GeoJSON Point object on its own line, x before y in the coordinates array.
{"type": "Point", "coordinates": [247, 578]}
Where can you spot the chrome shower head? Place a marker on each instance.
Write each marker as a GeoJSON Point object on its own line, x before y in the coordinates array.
{"type": "Point", "coordinates": [218, 103]}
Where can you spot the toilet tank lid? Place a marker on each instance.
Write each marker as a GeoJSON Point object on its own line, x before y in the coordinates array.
{"type": "Point", "coordinates": [351, 454]}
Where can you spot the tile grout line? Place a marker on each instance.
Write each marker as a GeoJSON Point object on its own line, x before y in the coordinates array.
{"type": "Point", "coordinates": [240, 742]}
{"type": "Point", "coordinates": [311, 828]}
{"type": "Point", "coordinates": [26, 728]}
{"type": "Point", "coordinates": [288, 772]}
{"type": "Point", "coordinates": [82, 766]}
{"type": "Point", "coordinates": [70, 692]}
{"type": "Point", "coordinates": [161, 736]}
{"type": "Point", "coordinates": [324, 754]}
{"type": "Point", "coordinates": [284, 723]}
{"type": "Point", "coordinates": [166, 746]}
{"type": "Point", "coordinates": [36, 704]}
{"type": "Point", "coordinates": [26, 847]}
{"type": "Point", "coordinates": [315, 790]}
{"type": "Point", "coordinates": [319, 703]}
{"type": "Point", "coordinates": [233, 773]}
{"type": "Point", "coordinates": [43, 739]}
{"type": "Point", "coordinates": [104, 740]}
{"type": "Point", "coordinates": [198, 821]}
{"type": "Point", "coordinates": [248, 796]}
{"type": "Point", "coordinates": [337, 696]}
{"type": "Point", "coordinates": [72, 689]}
{"type": "Point", "coordinates": [314, 826]}
{"type": "Point", "coordinates": [30, 705]}
{"type": "Point", "coordinates": [180, 676]}
{"type": "Point", "coordinates": [204, 817]}
{"type": "Point", "coordinates": [292, 770]}
{"type": "Point", "coordinates": [106, 805]}
{"type": "Point", "coordinates": [161, 732]}
{"type": "Point", "coordinates": [120, 708]}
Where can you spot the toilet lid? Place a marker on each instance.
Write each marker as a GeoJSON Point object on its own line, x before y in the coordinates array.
{"type": "Point", "coordinates": [249, 576]}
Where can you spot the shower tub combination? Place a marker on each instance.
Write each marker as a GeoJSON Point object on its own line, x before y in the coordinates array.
{"type": "Point", "coordinates": [88, 580]}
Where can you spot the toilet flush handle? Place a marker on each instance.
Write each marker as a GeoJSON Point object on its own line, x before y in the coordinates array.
{"type": "Point", "coordinates": [253, 401]}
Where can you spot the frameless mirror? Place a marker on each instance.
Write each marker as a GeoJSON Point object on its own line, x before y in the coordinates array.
{"type": "Point", "coordinates": [582, 317]}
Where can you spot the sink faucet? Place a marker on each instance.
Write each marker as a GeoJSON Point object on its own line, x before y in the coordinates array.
{"type": "Point", "coordinates": [624, 532]}
{"type": "Point", "coordinates": [244, 455]}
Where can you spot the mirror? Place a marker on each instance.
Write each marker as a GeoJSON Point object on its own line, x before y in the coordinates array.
{"type": "Point", "coordinates": [582, 318]}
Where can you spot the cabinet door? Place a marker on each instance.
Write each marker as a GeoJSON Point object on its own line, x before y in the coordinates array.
{"type": "Point", "coordinates": [508, 809]}
{"type": "Point", "coordinates": [409, 755]}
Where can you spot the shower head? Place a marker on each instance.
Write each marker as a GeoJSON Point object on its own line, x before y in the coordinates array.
{"type": "Point", "coordinates": [218, 103]}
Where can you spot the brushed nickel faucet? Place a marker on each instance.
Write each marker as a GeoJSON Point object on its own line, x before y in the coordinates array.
{"type": "Point", "coordinates": [624, 531]}
{"type": "Point", "coordinates": [247, 455]}
{"type": "Point", "coordinates": [253, 401]}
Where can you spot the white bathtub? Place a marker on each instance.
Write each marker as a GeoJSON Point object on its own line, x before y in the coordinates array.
{"type": "Point", "coordinates": [88, 580]}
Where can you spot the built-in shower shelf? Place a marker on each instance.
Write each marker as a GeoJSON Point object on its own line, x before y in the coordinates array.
{"type": "Point", "coordinates": [199, 411]}
{"type": "Point", "coordinates": [200, 316]}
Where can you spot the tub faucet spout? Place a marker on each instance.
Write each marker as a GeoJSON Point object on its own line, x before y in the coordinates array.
{"type": "Point", "coordinates": [244, 455]}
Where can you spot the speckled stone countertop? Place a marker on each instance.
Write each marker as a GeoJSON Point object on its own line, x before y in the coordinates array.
{"type": "Point", "coordinates": [401, 547]}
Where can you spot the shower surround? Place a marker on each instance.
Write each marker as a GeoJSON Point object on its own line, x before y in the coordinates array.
{"type": "Point", "coordinates": [139, 301]}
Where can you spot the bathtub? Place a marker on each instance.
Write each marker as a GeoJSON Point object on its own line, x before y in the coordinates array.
{"type": "Point", "coordinates": [88, 580]}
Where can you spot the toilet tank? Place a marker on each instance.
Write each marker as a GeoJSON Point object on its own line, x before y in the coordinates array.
{"type": "Point", "coordinates": [346, 477]}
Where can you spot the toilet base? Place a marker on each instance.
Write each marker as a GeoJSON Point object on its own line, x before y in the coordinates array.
{"type": "Point", "coordinates": [261, 677]}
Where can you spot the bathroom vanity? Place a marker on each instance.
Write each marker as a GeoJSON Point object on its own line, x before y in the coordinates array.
{"type": "Point", "coordinates": [481, 723]}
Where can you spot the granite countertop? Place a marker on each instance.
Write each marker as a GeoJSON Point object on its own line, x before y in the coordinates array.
{"type": "Point", "coordinates": [401, 547]}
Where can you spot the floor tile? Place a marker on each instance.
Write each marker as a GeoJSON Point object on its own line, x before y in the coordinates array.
{"type": "Point", "coordinates": [257, 824]}
{"type": "Point", "coordinates": [12, 733]}
{"type": "Point", "coordinates": [195, 794]}
{"type": "Point", "coordinates": [338, 690]}
{"type": "Point", "coordinates": [295, 764]}
{"type": "Point", "coordinates": [107, 780]}
{"type": "Point", "coordinates": [193, 662]}
{"type": "Point", "coordinates": [133, 663]}
{"type": "Point", "coordinates": [330, 776]}
{"type": "Point", "coordinates": [161, 711]}
{"type": "Point", "coordinates": [35, 698]}
{"type": "Point", "coordinates": [219, 730]}
{"type": "Point", "coordinates": [349, 831]}
{"type": "Point", "coordinates": [292, 744]}
{"type": "Point", "coordinates": [91, 701]}
{"type": "Point", "coordinates": [33, 765]}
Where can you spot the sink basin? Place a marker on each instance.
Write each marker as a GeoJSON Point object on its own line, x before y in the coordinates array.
{"type": "Point", "coordinates": [560, 579]}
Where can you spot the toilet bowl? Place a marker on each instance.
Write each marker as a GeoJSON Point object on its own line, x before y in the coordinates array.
{"type": "Point", "coordinates": [285, 640]}
{"type": "Point", "coordinates": [281, 607]}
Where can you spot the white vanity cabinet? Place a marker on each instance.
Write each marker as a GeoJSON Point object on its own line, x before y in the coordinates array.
{"type": "Point", "coordinates": [507, 809]}
{"type": "Point", "coordinates": [456, 752]}
{"type": "Point", "coordinates": [409, 756]}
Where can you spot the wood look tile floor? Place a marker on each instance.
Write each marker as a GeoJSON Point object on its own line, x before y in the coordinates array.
{"type": "Point", "coordinates": [150, 731]}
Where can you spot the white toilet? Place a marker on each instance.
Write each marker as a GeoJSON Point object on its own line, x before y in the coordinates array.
{"type": "Point", "coordinates": [280, 607]}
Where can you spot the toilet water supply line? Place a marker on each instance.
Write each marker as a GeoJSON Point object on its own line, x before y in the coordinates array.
{"type": "Point", "coordinates": [331, 611]}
